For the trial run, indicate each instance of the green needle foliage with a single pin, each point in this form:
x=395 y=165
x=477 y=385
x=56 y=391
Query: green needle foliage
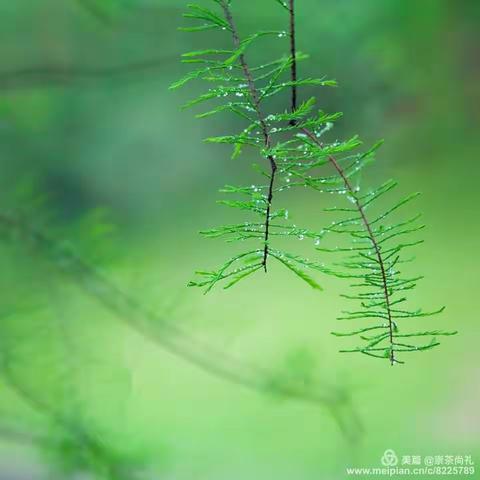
x=373 y=256
x=242 y=90
x=294 y=147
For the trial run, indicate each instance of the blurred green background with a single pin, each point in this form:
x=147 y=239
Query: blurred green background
x=90 y=136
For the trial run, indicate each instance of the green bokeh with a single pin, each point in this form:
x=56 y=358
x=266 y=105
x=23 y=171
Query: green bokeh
x=87 y=123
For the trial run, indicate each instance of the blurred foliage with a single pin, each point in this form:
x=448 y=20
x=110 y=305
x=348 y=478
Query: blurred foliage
x=87 y=119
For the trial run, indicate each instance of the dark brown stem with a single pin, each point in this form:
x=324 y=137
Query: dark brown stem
x=255 y=97
x=293 y=54
x=371 y=236
x=348 y=185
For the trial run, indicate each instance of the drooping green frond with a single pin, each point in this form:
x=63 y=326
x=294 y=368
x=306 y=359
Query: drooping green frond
x=296 y=146
x=238 y=88
x=374 y=250
x=282 y=4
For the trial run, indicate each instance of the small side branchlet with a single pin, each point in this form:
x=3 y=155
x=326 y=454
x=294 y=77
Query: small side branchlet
x=243 y=90
x=296 y=149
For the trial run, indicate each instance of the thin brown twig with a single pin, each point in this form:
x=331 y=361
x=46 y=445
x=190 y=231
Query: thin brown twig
x=261 y=119
x=371 y=236
x=346 y=182
x=293 y=54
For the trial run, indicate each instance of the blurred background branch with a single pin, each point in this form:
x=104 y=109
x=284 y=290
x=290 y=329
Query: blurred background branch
x=115 y=139
x=178 y=341
x=53 y=76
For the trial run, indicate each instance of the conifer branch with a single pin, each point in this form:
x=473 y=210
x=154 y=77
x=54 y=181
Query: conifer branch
x=376 y=236
x=292 y=34
x=295 y=142
x=261 y=119
x=231 y=74
x=353 y=195
x=293 y=54
x=372 y=263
